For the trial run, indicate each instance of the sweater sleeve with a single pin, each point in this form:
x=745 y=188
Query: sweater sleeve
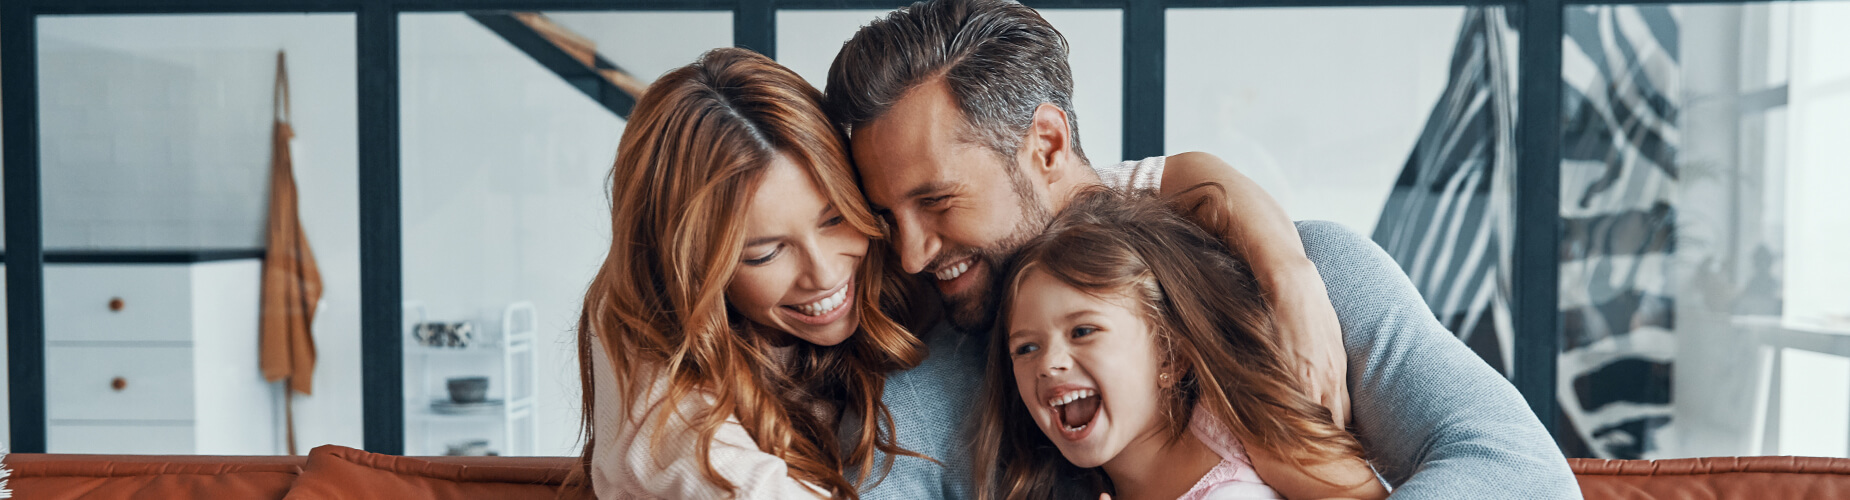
x=1437 y=421
x=626 y=463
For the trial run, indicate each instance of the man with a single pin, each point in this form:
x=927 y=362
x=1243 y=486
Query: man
x=960 y=118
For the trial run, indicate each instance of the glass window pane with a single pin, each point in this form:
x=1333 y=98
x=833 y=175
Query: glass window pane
x=1396 y=122
x=1701 y=196
x=157 y=137
x=506 y=213
x=807 y=41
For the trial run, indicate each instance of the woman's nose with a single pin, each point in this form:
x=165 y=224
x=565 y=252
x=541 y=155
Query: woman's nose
x=821 y=272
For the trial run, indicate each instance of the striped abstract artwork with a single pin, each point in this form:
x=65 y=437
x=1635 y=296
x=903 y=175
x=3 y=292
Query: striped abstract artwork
x=1449 y=221
x=1621 y=94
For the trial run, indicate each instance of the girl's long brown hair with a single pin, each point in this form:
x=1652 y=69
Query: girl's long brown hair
x=1208 y=315
x=694 y=151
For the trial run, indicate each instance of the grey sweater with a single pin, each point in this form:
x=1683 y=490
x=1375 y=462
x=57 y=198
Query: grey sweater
x=1435 y=420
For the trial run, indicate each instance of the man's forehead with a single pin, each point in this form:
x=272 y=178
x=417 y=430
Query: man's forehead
x=894 y=161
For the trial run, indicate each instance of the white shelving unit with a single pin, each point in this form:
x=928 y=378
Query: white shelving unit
x=506 y=357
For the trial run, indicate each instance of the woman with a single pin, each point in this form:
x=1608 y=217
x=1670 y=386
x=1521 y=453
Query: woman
x=738 y=320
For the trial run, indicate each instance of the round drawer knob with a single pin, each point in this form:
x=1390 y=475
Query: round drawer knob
x=118 y=384
x=116 y=304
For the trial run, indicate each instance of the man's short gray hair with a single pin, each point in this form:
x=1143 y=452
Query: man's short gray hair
x=999 y=58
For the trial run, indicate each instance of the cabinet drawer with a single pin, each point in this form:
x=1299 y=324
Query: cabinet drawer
x=120 y=439
x=155 y=302
x=156 y=383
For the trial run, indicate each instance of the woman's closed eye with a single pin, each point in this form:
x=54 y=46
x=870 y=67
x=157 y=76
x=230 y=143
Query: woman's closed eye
x=765 y=258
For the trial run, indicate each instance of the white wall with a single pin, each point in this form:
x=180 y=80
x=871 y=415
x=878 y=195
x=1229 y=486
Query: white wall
x=156 y=135
x=648 y=44
x=1320 y=106
x=503 y=194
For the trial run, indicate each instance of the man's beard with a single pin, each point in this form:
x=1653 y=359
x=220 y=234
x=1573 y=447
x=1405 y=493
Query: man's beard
x=974 y=311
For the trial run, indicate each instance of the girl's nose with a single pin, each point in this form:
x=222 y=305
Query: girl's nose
x=1055 y=364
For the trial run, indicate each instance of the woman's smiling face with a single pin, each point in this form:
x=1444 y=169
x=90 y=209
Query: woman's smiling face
x=796 y=272
x=1087 y=367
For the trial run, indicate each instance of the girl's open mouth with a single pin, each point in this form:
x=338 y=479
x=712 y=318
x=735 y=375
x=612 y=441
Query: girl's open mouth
x=1076 y=412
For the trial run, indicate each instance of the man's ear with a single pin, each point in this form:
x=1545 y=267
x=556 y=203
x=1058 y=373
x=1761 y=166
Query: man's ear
x=1049 y=137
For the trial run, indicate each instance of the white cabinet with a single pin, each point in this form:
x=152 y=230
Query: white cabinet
x=157 y=359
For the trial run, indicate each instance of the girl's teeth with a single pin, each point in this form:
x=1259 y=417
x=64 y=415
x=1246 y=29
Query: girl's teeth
x=1071 y=397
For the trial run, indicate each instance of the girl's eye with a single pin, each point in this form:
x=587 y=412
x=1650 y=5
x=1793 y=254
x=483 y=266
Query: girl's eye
x=834 y=221
x=1082 y=331
x=932 y=201
x=759 y=261
x=1025 y=349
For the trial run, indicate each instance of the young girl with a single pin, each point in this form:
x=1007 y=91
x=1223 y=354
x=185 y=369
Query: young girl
x=1135 y=357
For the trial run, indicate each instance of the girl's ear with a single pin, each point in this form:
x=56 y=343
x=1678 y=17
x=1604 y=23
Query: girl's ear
x=1173 y=369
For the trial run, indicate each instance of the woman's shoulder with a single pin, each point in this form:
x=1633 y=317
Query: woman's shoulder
x=636 y=398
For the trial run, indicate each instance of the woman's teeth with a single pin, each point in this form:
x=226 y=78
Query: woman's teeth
x=824 y=306
x=1071 y=397
x=953 y=272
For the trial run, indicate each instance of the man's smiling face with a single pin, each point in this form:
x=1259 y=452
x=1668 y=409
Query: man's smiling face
x=959 y=210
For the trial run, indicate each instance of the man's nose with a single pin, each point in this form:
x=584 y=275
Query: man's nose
x=916 y=247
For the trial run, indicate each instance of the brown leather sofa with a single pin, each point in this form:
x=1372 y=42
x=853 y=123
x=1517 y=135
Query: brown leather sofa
x=337 y=472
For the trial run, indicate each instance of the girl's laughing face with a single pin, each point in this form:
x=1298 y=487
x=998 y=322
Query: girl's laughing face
x=1087 y=367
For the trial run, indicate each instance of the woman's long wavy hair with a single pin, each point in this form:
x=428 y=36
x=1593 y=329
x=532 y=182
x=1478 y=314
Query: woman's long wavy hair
x=1208 y=316
x=694 y=151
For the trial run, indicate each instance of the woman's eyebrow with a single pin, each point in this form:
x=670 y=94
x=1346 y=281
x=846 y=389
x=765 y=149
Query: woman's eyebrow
x=762 y=240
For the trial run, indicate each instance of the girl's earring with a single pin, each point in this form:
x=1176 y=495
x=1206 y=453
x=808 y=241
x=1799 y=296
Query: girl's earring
x=1163 y=380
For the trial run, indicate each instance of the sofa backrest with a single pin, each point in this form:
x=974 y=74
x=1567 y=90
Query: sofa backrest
x=1719 y=478
x=60 y=477
x=325 y=470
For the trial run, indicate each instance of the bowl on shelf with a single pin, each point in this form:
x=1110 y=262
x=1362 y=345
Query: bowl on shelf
x=468 y=389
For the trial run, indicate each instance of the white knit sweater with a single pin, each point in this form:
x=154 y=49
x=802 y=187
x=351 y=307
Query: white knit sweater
x=626 y=464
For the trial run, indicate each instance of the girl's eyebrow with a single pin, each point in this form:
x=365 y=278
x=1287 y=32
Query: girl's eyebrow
x=762 y=240
x=1069 y=317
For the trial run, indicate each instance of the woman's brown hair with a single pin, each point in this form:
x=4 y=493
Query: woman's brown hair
x=693 y=153
x=1207 y=314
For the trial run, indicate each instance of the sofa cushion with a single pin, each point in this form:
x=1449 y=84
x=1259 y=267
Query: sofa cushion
x=339 y=472
x=99 y=477
x=1723 y=477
